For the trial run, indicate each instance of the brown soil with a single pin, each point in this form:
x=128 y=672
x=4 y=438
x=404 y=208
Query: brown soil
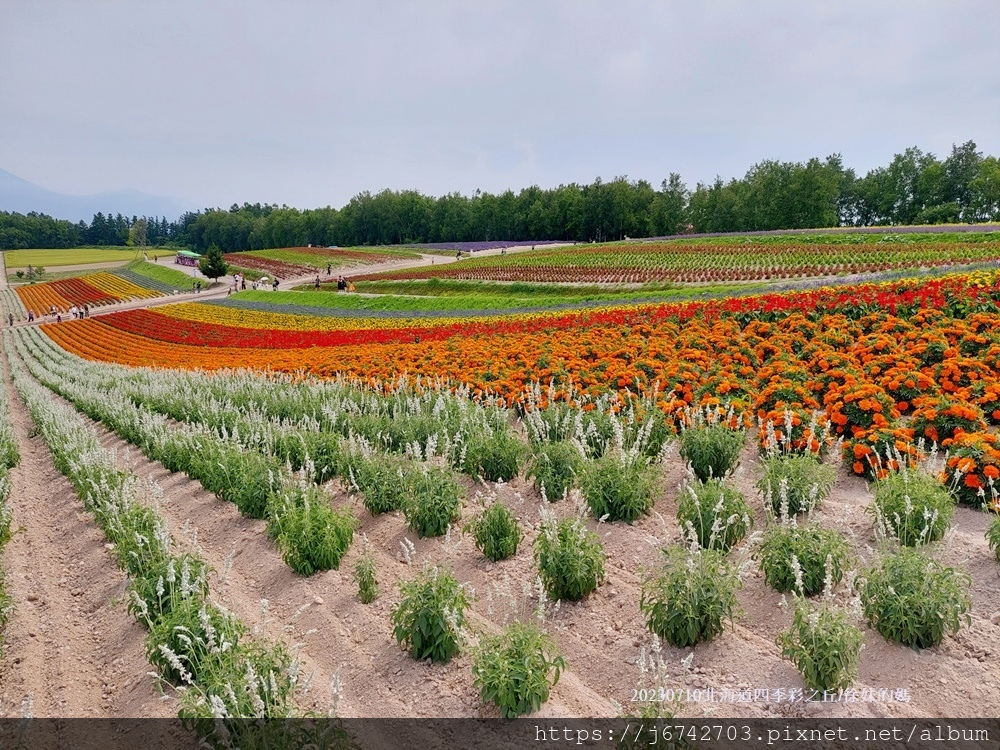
x=71 y=648
x=601 y=636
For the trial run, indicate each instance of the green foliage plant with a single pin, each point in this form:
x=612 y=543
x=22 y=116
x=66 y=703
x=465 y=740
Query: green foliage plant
x=912 y=599
x=516 y=668
x=619 y=486
x=310 y=534
x=816 y=556
x=166 y=583
x=433 y=502
x=688 y=597
x=496 y=532
x=429 y=618
x=555 y=467
x=912 y=506
x=716 y=512
x=795 y=483
x=189 y=637
x=823 y=645
x=384 y=482
x=255 y=680
x=712 y=450
x=570 y=558
x=993 y=537
x=365 y=576
x=493 y=457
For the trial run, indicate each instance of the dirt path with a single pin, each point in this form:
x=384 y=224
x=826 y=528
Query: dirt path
x=72 y=649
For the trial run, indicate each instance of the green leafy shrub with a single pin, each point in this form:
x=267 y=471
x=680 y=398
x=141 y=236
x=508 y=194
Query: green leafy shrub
x=433 y=503
x=310 y=534
x=819 y=553
x=139 y=536
x=912 y=599
x=516 y=668
x=365 y=576
x=496 y=532
x=795 y=483
x=245 y=478
x=913 y=507
x=712 y=450
x=383 y=482
x=252 y=681
x=993 y=537
x=823 y=645
x=496 y=457
x=570 y=558
x=162 y=587
x=619 y=486
x=688 y=597
x=716 y=512
x=189 y=637
x=428 y=619
x=555 y=468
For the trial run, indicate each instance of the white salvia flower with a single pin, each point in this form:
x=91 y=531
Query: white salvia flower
x=797 y=569
x=218 y=707
x=250 y=680
x=828 y=577
x=186 y=589
x=176 y=663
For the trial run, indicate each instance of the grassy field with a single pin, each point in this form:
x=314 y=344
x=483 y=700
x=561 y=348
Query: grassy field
x=162 y=273
x=77 y=256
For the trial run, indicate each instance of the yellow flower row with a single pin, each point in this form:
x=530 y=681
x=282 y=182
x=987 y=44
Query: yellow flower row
x=119 y=287
x=256 y=319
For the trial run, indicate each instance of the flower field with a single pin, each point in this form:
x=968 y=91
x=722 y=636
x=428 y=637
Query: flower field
x=864 y=356
x=643 y=262
x=302 y=261
x=358 y=467
x=94 y=290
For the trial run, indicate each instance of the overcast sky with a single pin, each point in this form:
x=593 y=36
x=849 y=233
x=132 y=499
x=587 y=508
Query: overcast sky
x=309 y=103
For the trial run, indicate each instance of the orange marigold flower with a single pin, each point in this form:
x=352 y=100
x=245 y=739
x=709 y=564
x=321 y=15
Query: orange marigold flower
x=966 y=465
x=972 y=480
x=992 y=472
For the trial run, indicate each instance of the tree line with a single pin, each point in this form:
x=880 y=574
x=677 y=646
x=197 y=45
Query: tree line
x=914 y=188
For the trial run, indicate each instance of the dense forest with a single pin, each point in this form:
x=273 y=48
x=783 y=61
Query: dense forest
x=915 y=188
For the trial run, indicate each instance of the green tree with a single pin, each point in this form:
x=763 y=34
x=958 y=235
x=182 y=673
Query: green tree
x=212 y=264
x=984 y=190
x=960 y=169
x=137 y=234
x=670 y=206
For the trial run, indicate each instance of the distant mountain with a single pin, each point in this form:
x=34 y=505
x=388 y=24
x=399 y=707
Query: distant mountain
x=19 y=195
